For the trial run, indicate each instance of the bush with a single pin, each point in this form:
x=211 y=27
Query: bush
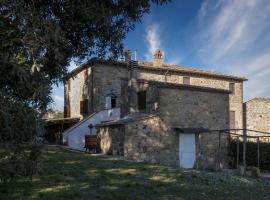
x=251 y=154
x=19 y=161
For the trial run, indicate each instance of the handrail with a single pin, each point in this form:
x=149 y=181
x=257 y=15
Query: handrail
x=80 y=122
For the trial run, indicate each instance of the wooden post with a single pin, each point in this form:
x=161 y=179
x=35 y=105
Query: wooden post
x=258 y=145
x=244 y=149
x=237 y=162
x=219 y=149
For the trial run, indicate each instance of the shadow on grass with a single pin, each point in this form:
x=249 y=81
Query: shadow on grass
x=68 y=175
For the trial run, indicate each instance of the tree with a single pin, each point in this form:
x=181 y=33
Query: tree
x=39 y=38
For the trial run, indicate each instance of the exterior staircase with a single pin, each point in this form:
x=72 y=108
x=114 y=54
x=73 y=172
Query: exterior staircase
x=74 y=137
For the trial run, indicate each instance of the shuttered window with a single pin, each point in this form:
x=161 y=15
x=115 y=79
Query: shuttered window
x=186 y=80
x=232 y=119
x=142 y=100
x=66 y=111
x=232 y=88
x=84 y=107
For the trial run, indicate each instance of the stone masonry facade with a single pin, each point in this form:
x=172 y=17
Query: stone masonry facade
x=176 y=99
x=106 y=77
x=154 y=138
x=257 y=116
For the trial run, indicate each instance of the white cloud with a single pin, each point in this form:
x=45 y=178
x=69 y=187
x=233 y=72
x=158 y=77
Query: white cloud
x=233 y=35
x=153 y=40
x=58 y=98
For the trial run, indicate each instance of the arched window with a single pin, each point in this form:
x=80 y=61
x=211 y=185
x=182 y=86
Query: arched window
x=110 y=100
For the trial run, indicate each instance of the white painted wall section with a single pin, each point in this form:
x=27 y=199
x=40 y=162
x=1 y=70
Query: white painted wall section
x=75 y=135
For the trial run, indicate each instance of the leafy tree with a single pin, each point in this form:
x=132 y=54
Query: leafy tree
x=40 y=37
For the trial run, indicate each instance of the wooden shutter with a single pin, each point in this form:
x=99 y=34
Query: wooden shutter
x=232 y=119
x=142 y=100
x=186 y=80
x=232 y=88
x=66 y=111
x=82 y=107
x=86 y=106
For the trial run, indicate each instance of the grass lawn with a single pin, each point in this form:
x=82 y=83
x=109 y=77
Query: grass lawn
x=68 y=175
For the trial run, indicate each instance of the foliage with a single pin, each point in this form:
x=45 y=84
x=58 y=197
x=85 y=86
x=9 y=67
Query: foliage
x=251 y=154
x=21 y=161
x=70 y=175
x=40 y=38
x=58 y=115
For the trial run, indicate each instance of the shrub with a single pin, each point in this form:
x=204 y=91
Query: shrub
x=19 y=161
x=251 y=154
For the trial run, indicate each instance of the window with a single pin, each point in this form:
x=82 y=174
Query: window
x=113 y=102
x=110 y=100
x=141 y=100
x=232 y=119
x=232 y=88
x=186 y=80
x=66 y=111
x=84 y=107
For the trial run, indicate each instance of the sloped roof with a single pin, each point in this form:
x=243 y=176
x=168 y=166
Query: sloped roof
x=184 y=87
x=259 y=99
x=164 y=67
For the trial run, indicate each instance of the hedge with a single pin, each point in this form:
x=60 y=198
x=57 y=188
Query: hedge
x=251 y=154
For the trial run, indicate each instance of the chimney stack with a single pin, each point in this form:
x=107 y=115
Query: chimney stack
x=158 y=58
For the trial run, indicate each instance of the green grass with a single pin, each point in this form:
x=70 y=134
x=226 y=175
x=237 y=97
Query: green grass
x=68 y=175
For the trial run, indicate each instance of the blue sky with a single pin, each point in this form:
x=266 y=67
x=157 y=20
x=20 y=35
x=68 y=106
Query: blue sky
x=227 y=36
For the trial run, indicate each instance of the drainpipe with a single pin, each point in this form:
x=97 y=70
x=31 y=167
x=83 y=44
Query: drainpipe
x=92 y=88
x=133 y=87
x=166 y=73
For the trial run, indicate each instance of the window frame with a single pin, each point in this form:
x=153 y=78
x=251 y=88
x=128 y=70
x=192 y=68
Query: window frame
x=186 y=78
x=232 y=87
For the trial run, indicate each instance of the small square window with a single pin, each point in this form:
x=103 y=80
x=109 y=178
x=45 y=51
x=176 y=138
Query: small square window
x=186 y=80
x=232 y=88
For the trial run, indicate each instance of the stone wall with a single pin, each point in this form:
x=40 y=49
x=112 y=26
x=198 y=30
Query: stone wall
x=154 y=139
x=186 y=108
x=198 y=109
x=107 y=78
x=111 y=140
x=79 y=90
x=151 y=97
x=257 y=112
x=151 y=140
x=236 y=100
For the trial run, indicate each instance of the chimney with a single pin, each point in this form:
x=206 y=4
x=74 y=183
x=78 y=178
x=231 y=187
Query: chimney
x=127 y=56
x=158 y=58
x=132 y=82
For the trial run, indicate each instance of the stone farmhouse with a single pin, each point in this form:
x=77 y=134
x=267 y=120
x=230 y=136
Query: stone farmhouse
x=154 y=112
x=257 y=116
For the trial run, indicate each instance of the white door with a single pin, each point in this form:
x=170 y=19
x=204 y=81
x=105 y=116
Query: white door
x=187 y=150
